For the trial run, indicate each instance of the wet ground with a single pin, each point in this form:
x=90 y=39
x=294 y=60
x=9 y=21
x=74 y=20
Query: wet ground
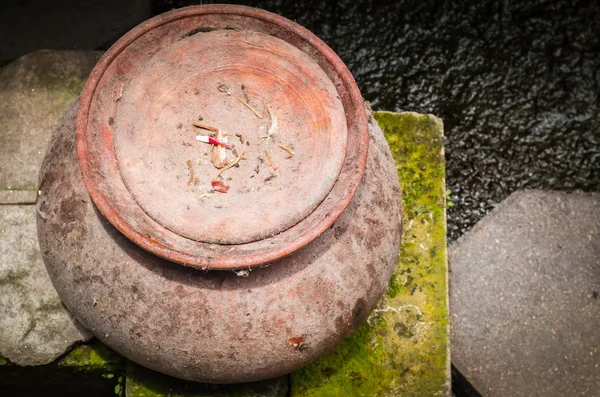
x=516 y=82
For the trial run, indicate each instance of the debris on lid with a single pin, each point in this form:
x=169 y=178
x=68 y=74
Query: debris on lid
x=219 y=142
x=241 y=137
x=213 y=141
x=286 y=148
x=191 y=169
x=245 y=94
x=272 y=128
x=205 y=127
x=219 y=153
x=223 y=88
x=270 y=159
x=220 y=186
x=256 y=113
x=233 y=164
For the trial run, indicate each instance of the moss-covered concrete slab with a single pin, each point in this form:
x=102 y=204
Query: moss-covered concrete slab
x=142 y=382
x=403 y=349
x=35 y=328
x=36 y=90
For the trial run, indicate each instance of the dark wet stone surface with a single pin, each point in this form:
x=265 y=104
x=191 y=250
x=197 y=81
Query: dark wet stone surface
x=517 y=84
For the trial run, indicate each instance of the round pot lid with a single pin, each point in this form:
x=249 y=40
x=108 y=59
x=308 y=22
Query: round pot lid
x=221 y=136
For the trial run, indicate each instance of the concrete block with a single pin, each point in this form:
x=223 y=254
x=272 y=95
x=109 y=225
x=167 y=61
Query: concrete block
x=525 y=297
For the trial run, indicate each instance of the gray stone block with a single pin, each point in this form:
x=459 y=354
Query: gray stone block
x=524 y=297
x=36 y=90
x=17 y=196
x=35 y=328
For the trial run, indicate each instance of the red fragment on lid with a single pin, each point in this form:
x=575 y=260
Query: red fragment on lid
x=220 y=186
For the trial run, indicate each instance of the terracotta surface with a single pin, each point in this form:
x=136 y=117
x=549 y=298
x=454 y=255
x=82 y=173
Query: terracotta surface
x=223 y=64
x=218 y=326
x=154 y=136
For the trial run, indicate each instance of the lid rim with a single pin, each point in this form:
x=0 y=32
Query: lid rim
x=262 y=257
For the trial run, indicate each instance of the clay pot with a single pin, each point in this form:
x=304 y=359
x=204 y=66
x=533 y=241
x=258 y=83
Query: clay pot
x=249 y=284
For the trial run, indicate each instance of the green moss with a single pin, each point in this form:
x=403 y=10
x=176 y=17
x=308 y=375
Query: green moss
x=395 y=286
x=92 y=357
x=403 y=349
x=3 y=361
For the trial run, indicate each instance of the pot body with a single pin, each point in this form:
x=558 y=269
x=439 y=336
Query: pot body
x=218 y=326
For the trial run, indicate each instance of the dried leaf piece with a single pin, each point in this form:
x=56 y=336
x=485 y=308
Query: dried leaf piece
x=220 y=186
